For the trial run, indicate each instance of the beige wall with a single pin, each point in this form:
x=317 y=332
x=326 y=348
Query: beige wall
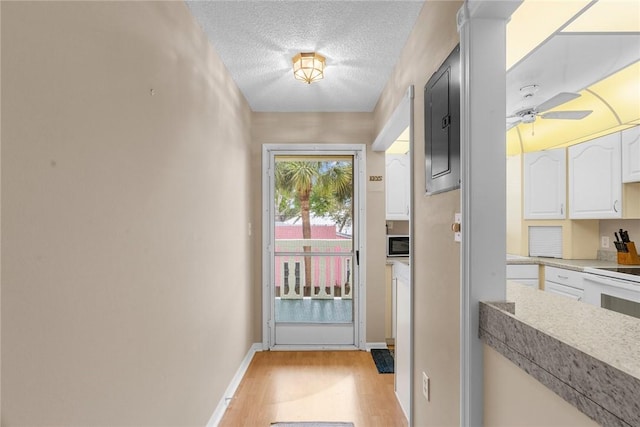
x=436 y=257
x=126 y=297
x=336 y=128
x=514 y=398
x=609 y=226
x=398 y=227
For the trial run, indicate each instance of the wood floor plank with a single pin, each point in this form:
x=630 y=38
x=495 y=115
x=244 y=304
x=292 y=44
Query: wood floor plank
x=314 y=386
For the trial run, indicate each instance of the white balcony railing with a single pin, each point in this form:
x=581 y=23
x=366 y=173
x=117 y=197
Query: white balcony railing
x=331 y=275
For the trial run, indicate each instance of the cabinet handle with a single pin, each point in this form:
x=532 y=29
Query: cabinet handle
x=561 y=208
x=563 y=277
x=614 y=206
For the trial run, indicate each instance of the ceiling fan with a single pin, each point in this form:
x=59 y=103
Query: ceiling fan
x=530 y=114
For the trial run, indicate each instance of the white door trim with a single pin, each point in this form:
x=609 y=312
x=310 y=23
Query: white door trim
x=400 y=119
x=483 y=185
x=359 y=276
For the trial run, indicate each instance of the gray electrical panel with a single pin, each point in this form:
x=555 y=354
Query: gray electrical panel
x=442 y=126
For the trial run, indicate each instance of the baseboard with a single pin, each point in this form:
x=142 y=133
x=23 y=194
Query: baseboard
x=371 y=345
x=233 y=386
x=322 y=347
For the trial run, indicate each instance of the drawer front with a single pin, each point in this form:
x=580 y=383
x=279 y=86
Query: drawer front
x=532 y=283
x=519 y=271
x=563 y=276
x=563 y=290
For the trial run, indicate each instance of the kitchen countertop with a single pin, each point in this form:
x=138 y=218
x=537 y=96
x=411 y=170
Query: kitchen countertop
x=604 y=334
x=402 y=260
x=570 y=264
x=588 y=355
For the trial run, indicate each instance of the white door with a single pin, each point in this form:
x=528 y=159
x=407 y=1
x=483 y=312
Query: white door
x=595 y=179
x=402 y=277
x=312 y=246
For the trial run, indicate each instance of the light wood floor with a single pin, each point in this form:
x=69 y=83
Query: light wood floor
x=314 y=386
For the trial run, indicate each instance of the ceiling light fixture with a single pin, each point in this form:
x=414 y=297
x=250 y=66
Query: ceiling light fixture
x=308 y=66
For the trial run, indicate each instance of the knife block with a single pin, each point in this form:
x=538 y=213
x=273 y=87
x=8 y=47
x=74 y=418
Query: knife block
x=631 y=257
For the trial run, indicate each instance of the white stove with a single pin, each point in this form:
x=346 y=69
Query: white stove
x=627 y=272
x=615 y=288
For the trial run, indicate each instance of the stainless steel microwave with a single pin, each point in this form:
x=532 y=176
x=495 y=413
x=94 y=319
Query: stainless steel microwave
x=398 y=245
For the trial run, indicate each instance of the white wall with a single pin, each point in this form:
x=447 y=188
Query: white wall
x=126 y=296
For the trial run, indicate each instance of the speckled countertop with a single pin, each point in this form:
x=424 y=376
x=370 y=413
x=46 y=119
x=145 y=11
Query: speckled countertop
x=606 y=335
x=587 y=355
x=570 y=264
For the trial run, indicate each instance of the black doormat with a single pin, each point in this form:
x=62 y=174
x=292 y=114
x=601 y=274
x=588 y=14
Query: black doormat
x=383 y=360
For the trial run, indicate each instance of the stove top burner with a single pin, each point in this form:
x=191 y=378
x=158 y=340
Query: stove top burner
x=625 y=270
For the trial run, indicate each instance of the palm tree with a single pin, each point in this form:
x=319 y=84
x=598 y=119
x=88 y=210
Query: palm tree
x=327 y=180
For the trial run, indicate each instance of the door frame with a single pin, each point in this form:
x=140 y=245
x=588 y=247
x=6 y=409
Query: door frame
x=359 y=273
x=398 y=121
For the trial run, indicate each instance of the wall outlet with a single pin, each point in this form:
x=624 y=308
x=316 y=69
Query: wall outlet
x=425 y=386
x=390 y=225
x=604 y=242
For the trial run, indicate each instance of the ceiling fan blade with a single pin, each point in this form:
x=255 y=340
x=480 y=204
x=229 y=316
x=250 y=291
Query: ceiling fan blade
x=566 y=115
x=554 y=101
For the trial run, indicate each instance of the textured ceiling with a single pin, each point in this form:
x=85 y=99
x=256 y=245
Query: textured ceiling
x=256 y=40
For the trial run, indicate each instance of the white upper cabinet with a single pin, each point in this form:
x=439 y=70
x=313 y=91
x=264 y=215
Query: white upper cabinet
x=595 y=179
x=545 y=184
x=397 y=194
x=631 y=155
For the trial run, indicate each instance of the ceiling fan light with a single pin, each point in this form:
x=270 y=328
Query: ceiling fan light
x=308 y=66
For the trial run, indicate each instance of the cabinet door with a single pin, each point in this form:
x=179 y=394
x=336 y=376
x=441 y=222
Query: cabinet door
x=631 y=155
x=545 y=185
x=403 y=345
x=397 y=186
x=595 y=179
